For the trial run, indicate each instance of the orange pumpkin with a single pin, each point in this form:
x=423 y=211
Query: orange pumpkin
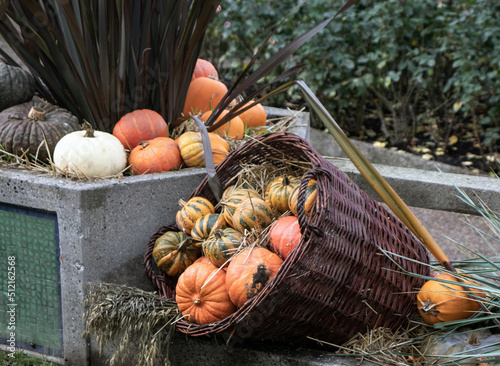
x=160 y=154
x=201 y=294
x=443 y=302
x=202 y=259
x=140 y=125
x=233 y=128
x=249 y=272
x=203 y=94
x=255 y=117
x=284 y=235
x=191 y=148
x=204 y=68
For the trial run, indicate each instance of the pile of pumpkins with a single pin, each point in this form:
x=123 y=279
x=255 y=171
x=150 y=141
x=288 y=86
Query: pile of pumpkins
x=219 y=261
x=140 y=140
x=220 y=266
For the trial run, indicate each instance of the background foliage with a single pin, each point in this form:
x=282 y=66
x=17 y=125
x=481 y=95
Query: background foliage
x=405 y=70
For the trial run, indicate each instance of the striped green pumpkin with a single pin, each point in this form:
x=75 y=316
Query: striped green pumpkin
x=278 y=191
x=191 y=211
x=234 y=200
x=253 y=213
x=310 y=197
x=206 y=225
x=174 y=251
x=221 y=246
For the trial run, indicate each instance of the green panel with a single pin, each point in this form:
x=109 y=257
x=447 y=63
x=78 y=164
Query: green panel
x=29 y=255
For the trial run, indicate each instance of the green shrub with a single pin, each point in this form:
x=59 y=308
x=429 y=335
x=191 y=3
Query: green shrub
x=417 y=65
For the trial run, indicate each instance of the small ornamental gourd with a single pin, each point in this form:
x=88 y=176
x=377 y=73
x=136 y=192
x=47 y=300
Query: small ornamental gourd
x=222 y=245
x=191 y=211
x=204 y=68
x=203 y=94
x=191 y=148
x=234 y=199
x=230 y=189
x=253 y=213
x=174 y=251
x=443 y=302
x=140 y=125
x=90 y=154
x=278 y=192
x=284 y=235
x=201 y=294
x=17 y=86
x=310 y=197
x=35 y=128
x=233 y=128
x=160 y=154
x=205 y=226
x=249 y=272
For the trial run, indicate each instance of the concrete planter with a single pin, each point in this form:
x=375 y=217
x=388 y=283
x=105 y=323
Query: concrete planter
x=63 y=234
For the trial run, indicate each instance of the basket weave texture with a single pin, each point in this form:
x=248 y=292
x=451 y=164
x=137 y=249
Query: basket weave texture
x=345 y=276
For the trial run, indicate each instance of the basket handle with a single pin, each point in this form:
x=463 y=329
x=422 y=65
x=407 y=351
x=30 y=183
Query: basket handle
x=301 y=197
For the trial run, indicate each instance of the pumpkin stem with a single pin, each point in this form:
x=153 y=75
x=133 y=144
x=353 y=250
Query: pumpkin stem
x=218 y=233
x=286 y=180
x=182 y=203
x=197 y=301
x=37 y=114
x=144 y=144
x=182 y=246
x=89 y=133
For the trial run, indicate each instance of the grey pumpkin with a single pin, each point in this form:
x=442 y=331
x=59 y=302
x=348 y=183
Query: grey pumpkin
x=16 y=86
x=24 y=127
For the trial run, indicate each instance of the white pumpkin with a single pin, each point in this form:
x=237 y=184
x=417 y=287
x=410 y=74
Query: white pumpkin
x=90 y=154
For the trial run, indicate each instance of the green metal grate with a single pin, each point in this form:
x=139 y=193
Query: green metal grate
x=32 y=238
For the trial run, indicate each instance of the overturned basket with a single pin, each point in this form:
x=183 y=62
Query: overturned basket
x=345 y=276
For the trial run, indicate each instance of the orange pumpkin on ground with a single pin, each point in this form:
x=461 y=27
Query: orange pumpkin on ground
x=284 y=235
x=191 y=147
x=443 y=302
x=249 y=272
x=160 y=154
x=201 y=294
x=255 y=117
x=140 y=125
x=233 y=128
x=203 y=94
x=204 y=68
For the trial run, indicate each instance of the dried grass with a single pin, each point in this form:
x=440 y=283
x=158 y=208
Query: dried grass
x=141 y=323
x=384 y=347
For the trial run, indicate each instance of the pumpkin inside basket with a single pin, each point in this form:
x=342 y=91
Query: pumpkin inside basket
x=346 y=274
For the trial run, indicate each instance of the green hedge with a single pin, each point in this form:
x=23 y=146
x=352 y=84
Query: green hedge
x=418 y=65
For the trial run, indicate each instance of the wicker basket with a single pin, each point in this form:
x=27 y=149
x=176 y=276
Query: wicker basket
x=337 y=282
